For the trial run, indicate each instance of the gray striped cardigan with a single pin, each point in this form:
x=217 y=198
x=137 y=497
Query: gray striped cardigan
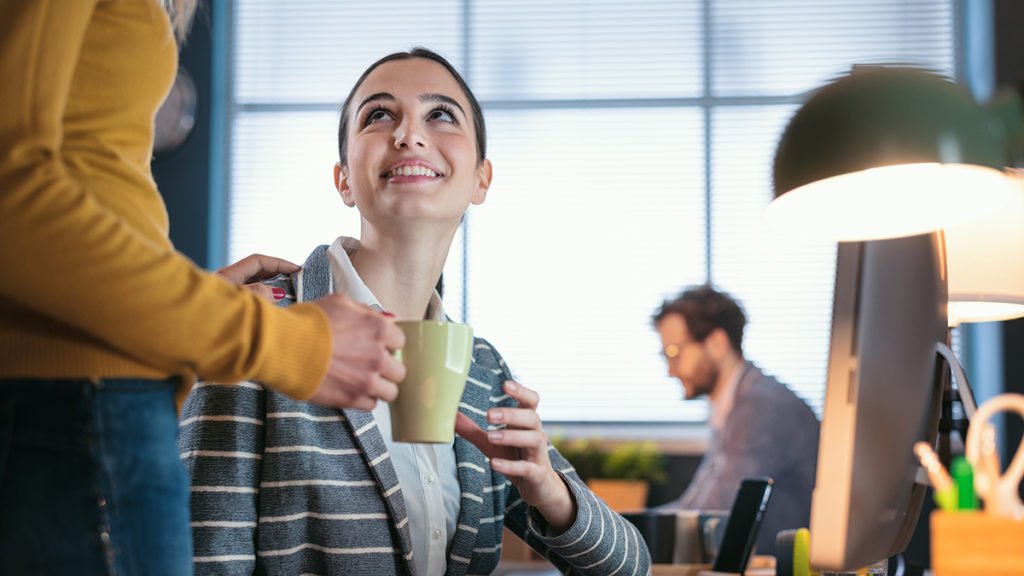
x=282 y=487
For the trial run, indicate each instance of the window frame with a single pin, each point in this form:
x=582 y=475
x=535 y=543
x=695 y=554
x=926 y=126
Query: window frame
x=684 y=436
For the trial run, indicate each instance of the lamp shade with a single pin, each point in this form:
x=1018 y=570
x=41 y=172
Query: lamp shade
x=888 y=152
x=985 y=263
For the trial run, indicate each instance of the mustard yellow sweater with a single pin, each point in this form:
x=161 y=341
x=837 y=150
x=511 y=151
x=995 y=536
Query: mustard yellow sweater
x=93 y=287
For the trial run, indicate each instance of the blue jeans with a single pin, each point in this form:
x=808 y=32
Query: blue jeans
x=90 y=479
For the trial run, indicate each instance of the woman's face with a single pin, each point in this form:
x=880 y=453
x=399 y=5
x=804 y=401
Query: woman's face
x=411 y=146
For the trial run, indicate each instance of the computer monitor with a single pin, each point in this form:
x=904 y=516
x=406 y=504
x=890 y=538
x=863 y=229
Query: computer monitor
x=883 y=394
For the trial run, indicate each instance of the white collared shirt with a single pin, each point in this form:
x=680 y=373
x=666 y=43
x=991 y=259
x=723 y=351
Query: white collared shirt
x=427 y=473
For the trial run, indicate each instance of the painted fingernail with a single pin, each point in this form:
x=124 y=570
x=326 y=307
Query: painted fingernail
x=279 y=293
x=388 y=314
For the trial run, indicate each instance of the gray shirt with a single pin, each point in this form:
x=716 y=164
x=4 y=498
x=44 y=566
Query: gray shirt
x=769 y=431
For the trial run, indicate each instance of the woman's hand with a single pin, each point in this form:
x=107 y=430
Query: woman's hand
x=520 y=452
x=362 y=369
x=249 y=271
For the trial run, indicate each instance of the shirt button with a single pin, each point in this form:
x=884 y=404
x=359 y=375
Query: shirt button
x=429 y=479
x=436 y=534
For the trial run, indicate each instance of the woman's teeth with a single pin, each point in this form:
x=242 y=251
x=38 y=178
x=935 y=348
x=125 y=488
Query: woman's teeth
x=412 y=171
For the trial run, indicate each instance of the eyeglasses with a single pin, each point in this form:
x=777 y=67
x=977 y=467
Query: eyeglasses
x=672 y=351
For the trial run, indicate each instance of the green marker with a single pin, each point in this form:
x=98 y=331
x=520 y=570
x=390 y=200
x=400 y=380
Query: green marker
x=963 y=477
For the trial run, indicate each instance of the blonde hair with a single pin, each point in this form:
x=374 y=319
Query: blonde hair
x=181 y=12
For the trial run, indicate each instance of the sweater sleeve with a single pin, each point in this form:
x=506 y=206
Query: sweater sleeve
x=221 y=443
x=75 y=261
x=600 y=541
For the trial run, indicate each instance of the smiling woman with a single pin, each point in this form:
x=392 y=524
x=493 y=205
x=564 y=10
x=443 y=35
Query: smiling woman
x=411 y=162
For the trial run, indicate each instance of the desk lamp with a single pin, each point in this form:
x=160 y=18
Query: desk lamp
x=890 y=152
x=985 y=261
x=880 y=160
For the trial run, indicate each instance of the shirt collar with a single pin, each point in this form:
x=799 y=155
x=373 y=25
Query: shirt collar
x=346 y=280
x=722 y=405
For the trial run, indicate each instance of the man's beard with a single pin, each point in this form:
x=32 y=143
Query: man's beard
x=703 y=383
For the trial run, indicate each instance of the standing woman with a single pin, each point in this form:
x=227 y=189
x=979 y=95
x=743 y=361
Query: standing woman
x=103 y=325
x=283 y=487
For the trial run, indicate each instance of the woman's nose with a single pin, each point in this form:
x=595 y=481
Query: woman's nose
x=409 y=135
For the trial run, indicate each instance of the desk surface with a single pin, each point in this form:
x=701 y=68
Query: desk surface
x=541 y=568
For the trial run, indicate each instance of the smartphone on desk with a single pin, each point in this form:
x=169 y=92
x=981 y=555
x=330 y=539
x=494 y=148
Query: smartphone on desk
x=743 y=525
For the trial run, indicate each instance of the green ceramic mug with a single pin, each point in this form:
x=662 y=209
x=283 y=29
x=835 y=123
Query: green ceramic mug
x=436 y=357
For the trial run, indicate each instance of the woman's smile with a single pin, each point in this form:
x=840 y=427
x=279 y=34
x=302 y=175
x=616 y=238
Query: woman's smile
x=407 y=171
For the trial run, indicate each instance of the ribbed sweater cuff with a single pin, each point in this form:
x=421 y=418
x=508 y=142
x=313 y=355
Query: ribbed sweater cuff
x=299 y=351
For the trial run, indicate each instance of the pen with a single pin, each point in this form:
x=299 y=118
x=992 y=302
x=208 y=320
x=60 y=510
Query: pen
x=945 y=490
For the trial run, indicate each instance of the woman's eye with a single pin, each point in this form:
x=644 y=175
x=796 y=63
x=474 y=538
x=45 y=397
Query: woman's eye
x=375 y=116
x=443 y=115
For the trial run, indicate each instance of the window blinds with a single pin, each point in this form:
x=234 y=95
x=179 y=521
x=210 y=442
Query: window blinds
x=632 y=145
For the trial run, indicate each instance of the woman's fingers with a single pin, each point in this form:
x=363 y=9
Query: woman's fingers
x=529 y=439
x=256 y=267
x=514 y=418
x=524 y=469
x=526 y=397
x=518 y=449
x=361 y=364
x=465 y=427
x=268 y=292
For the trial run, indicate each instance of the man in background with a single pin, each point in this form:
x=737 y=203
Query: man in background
x=758 y=426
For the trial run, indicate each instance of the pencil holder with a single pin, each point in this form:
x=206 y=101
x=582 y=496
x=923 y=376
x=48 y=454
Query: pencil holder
x=971 y=543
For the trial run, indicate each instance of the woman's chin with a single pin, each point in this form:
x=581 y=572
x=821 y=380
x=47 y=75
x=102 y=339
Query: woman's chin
x=425 y=210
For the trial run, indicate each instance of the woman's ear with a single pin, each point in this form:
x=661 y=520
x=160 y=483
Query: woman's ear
x=341 y=183
x=483 y=181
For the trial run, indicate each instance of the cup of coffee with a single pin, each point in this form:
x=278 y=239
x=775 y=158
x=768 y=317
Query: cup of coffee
x=436 y=357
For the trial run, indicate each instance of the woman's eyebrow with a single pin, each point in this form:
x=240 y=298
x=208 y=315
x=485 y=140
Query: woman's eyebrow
x=373 y=97
x=432 y=97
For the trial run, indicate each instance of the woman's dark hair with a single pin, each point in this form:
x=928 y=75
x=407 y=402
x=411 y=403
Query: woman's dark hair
x=704 y=309
x=418 y=52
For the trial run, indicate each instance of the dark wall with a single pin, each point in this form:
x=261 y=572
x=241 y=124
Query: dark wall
x=1013 y=352
x=1009 y=16
x=183 y=174
x=1009 y=20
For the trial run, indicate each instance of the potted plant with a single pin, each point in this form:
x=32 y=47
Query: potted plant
x=619 y=473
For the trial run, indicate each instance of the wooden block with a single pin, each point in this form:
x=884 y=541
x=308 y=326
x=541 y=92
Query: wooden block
x=974 y=543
